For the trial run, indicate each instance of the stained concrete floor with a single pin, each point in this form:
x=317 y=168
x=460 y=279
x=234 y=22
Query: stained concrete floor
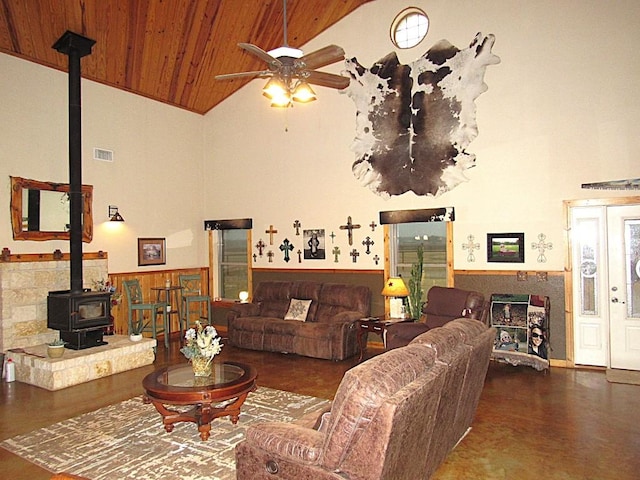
x=565 y=424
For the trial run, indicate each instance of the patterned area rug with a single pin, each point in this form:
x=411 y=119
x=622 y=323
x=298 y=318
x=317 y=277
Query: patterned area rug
x=127 y=440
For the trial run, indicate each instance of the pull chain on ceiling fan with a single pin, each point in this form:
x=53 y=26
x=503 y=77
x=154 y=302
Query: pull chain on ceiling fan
x=291 y=72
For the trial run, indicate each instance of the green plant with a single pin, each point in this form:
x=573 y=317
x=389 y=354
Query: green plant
x=138 y=326
x=57 y=343
x=414 y=301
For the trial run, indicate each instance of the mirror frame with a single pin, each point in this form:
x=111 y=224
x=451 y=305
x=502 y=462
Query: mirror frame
x=18 y=184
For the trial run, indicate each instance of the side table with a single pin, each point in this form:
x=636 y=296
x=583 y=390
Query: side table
x=173 y=304
x=376 y=325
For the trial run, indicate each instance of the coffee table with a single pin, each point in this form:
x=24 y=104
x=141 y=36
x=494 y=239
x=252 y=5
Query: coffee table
x=219 y=395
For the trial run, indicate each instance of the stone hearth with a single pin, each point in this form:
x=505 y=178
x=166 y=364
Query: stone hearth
x=79 y=366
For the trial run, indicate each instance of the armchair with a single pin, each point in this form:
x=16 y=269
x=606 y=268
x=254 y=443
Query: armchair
x=443 y=305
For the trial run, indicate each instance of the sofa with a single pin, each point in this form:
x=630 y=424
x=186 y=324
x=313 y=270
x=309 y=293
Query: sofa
x=327 y=330
x=443 y=305
x=395 y=416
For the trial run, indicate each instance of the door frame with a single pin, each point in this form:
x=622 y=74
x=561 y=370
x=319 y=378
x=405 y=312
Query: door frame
x=567 y=205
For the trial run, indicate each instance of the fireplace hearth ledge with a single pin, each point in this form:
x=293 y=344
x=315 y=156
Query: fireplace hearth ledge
x=80 y=366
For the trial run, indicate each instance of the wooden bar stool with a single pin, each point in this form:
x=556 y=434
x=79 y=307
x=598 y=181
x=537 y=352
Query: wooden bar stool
x=192 y=295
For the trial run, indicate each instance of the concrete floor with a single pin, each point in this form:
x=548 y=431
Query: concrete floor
x=561 y=425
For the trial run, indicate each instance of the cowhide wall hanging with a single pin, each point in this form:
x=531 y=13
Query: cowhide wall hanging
x=414 y=122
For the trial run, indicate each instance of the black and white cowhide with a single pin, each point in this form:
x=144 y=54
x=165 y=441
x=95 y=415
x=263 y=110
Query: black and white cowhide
x=414 y=122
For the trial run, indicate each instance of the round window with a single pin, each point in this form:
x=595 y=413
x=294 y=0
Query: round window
x=409 y=27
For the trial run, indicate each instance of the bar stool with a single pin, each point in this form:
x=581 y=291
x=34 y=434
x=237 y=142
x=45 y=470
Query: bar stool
x=192 y=294
x=136 y=306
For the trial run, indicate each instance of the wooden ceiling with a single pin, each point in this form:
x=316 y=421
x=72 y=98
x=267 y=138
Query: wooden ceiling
x=167 y=50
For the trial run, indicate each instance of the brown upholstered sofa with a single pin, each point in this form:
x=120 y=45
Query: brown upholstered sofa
x=443 y=305
x=394 y=417
x=329 y=330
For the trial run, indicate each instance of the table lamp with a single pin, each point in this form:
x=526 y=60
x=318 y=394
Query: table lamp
x=395 y=288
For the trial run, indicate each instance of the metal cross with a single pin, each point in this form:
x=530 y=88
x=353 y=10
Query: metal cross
x=333 y=235
x=286 y=247
x=349 y=227
x=376 y=259
x=260 y=246
x=336 y=252
x=471 y=246
x=297 y=226
x=368 y=242
x=255 y=258
x=299 y=252
x=270 y=255
x=541 y=246
x=373 y=225
x=271 y=231
x=354 y=253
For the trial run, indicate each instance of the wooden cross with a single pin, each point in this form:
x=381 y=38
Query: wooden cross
x=270 y=256
x=299 y=252
x=471 y=246
x=297 y=226
x=255 y=258
x=260 y=246
x=368 y=242
x=336 y=252
x=349 y=227
x=376 y=259
x=333 y=235
x=271 y=231
x=354 y=254
x=541 y=246
x=373 y=225
x=286 y=247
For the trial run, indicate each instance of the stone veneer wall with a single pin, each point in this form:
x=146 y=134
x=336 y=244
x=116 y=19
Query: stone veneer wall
x=24 y=286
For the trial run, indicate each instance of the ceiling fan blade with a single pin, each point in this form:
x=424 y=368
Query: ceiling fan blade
x=328 y=80
x=325 y=56
x=231 y=76
x=273 y=62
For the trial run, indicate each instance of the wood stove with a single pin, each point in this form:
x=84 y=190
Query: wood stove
x=79 y=314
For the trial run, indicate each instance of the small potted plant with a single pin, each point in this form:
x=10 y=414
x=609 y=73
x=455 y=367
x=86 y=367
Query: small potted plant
x=55 y=349
x=135 y=335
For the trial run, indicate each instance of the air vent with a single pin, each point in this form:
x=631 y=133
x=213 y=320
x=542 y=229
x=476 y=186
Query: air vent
x=103 y=155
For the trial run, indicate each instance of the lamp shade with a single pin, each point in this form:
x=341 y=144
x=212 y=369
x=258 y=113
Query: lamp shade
x=395 y=287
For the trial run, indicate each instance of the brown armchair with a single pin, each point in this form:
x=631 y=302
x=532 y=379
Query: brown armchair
x=443 y=305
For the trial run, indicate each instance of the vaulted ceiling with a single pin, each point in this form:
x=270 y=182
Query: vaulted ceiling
x=167 y=50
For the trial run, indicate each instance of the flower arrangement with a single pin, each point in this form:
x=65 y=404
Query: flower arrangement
x=105 y=286
x=202 y=342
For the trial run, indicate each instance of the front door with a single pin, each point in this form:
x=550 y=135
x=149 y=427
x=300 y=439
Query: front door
x=623 y=226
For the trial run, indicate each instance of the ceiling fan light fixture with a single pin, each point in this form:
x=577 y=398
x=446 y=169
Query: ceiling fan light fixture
x=303 y=93
x=281 y=101
x=274 y=88
x=285 y=52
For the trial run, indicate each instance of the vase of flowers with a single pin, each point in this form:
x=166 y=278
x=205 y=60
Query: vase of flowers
x=203 y=343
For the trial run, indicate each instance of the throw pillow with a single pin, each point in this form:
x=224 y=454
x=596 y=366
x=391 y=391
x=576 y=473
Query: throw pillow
x=298 y=310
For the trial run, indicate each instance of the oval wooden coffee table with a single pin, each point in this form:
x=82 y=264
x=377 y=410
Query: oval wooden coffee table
x=219 y=395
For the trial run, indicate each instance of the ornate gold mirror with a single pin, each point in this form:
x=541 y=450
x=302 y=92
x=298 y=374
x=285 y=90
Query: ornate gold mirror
x=40 y=210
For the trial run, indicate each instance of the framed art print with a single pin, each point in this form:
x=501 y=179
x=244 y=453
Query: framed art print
x=505 y=247
x=151 y=251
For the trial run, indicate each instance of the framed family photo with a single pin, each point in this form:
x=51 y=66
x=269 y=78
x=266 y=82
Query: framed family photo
x=505 y=247
x=151 y=251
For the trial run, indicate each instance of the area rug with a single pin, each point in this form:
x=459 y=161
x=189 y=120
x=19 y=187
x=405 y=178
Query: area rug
x=127 y=440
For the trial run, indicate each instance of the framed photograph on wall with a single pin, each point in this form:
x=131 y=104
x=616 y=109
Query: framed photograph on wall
x=505 y=247
x=314 y=244
x=151 y=251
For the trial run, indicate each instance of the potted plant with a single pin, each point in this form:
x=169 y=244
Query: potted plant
x=414 y=301
x=135 y=335
x=55 y=349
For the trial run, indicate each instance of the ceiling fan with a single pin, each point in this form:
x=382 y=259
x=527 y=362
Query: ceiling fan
x=291 y=71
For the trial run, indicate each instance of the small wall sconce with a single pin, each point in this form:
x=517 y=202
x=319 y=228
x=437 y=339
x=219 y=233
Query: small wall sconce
x=114 y=215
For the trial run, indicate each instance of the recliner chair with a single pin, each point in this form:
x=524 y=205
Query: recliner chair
x=443 y=305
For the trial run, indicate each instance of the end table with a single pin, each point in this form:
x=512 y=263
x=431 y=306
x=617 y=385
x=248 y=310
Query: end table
x=376 y=325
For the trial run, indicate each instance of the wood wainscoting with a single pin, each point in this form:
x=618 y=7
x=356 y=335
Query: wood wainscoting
x=148 y=280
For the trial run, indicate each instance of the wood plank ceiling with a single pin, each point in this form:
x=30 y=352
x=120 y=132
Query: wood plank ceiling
x=167 y=50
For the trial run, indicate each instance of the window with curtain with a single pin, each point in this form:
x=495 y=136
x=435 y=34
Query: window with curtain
x=233 y=268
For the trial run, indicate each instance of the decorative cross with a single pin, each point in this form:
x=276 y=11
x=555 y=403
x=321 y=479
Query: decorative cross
x=349 y=227
x=270 y=256
x=333 y=235
x=271 y=231
x=255 y=258
x=299 y=252
x=376 y=259
x=541 y=246
x=368 y=242
x=260 y=246
x=286 y=247
x=373 y=225
x=297 y=226
x=471 y=246
x=354 y=254
x=336 y=252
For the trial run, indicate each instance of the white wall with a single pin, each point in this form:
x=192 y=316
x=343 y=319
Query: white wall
x=155 y=179
x=561 y=110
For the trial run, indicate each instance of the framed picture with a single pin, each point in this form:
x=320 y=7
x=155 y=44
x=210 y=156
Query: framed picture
x=314 y=244
x=152 y=251
x=505 y=247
